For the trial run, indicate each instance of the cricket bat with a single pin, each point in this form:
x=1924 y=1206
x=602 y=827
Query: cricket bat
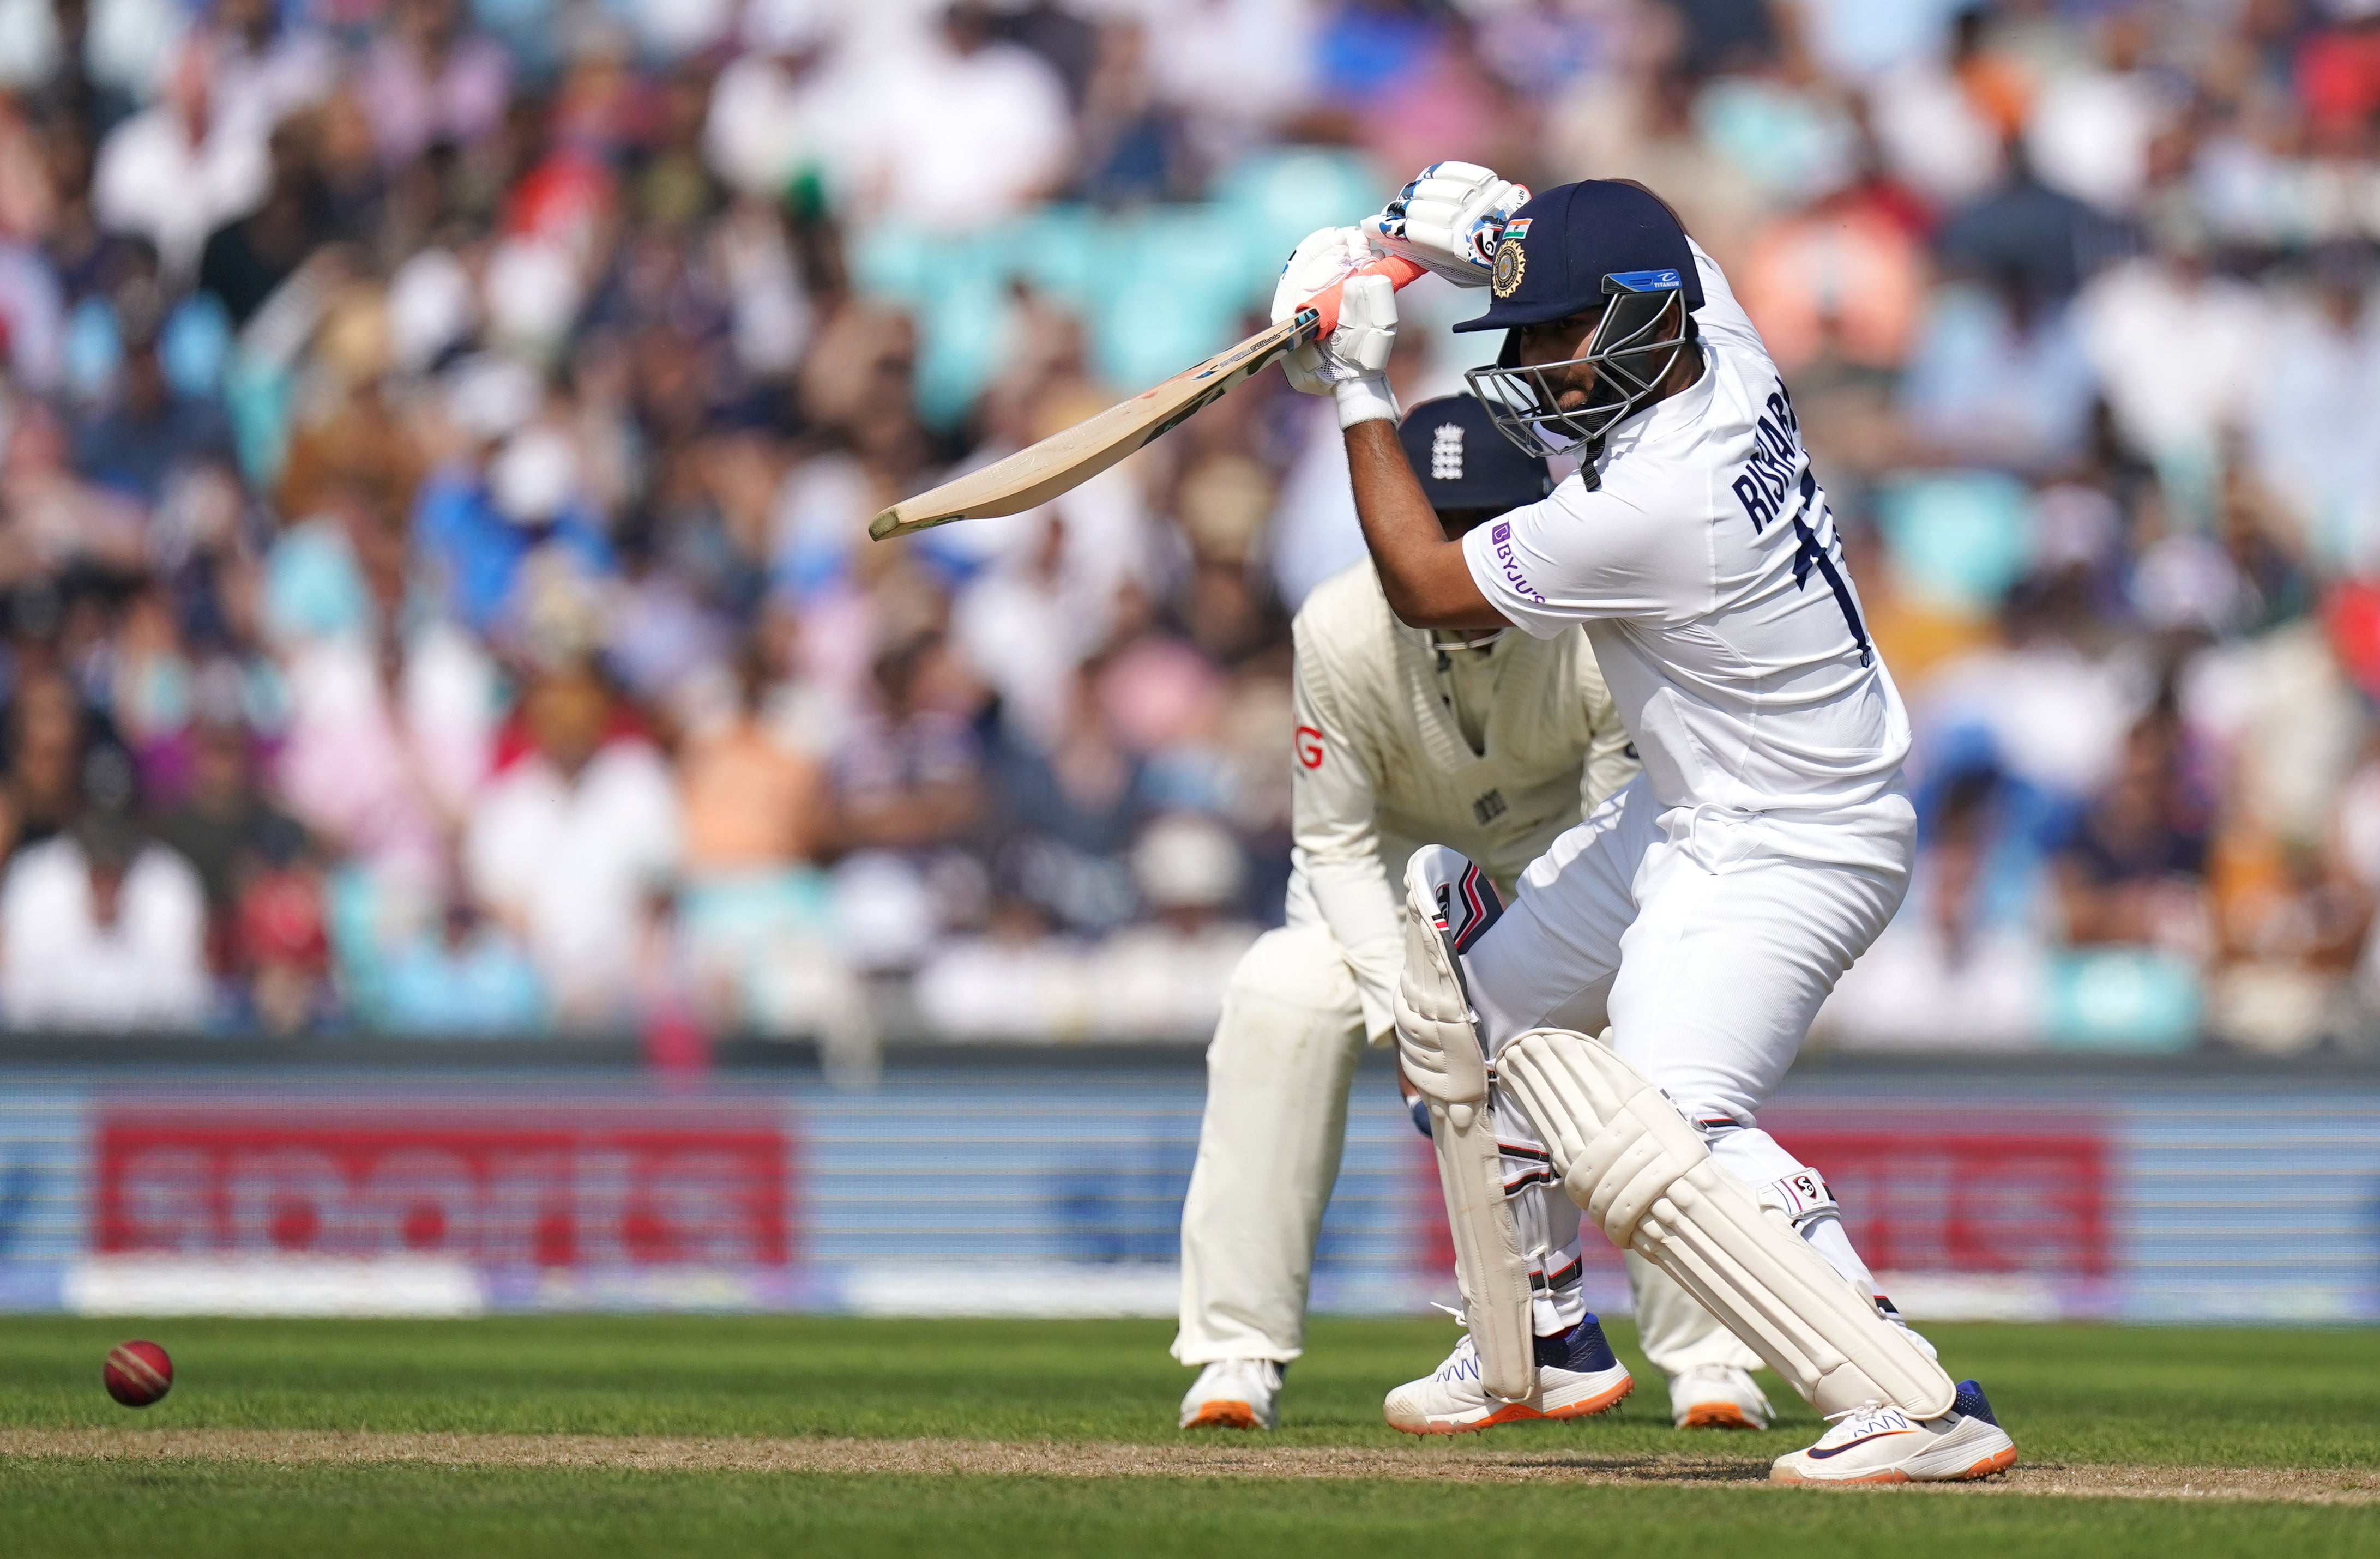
x=1074 y=455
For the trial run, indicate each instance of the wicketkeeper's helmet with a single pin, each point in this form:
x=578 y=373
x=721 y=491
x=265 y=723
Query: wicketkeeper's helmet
x=1464 y=467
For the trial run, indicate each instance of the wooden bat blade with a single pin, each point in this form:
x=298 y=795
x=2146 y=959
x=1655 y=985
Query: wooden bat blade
x=1074 y=455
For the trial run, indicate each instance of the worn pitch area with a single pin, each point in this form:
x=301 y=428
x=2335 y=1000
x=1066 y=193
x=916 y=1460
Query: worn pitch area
x=1200 y=1458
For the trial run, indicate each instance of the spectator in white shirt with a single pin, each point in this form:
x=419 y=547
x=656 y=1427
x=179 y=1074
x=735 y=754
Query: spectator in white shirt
x=177 y=171
x=962 y=131
x=2312 y=436
x=773 y=115
x=568 y=843
x=103 y=930
x=2177 y=346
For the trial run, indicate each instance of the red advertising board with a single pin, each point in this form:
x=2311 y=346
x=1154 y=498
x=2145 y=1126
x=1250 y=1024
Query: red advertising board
x=540 y=1184
x=2033 y=1203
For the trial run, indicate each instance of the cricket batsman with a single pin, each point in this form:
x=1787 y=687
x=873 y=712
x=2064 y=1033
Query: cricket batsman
x=1705 y=910
x=1493 y=743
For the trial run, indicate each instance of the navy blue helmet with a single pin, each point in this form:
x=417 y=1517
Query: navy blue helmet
x=1597 y=246
x=1463 y=463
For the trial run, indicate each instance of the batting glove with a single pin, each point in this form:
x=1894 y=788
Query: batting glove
x=1357 y=354
x=1450 y=219
x=1438 y=1033
x=1322 y=258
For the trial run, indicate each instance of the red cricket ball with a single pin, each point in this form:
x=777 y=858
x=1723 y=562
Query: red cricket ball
x=138 y=1373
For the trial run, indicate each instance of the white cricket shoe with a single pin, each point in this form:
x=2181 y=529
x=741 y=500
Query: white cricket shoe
x=1717 y=1396
x=1875 y=1444
x=1234 y=1393
x=1576 y=1376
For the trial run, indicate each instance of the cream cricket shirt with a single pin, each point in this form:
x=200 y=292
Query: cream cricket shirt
x=1708 y=575
x=1402 y=742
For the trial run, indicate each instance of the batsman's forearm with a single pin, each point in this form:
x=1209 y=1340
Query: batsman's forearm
x=1427 y=582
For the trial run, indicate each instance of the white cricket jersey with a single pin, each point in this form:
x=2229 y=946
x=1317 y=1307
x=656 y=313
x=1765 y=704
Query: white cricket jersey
x=1706 y=570
x=1496 y=752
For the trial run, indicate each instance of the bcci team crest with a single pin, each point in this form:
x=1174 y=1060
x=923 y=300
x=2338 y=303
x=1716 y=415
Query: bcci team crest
x=1512 y=264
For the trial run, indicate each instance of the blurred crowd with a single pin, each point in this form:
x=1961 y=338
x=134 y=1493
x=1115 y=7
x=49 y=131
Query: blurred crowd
x=437 y=440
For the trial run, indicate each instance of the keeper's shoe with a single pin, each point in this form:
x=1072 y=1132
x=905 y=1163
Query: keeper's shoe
x=1877 y=1444
x=1234 y=1393
x=1717 y=1396
x=1577 y=1376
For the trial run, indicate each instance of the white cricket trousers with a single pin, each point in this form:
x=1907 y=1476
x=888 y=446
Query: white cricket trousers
x=1277 y=1072
x=1708 y=941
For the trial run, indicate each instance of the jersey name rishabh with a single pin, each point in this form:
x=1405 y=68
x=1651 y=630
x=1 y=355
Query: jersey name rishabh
x=1776 y=454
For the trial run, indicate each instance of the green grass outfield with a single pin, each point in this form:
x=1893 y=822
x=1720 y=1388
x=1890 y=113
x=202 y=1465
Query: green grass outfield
x=2081 y=1396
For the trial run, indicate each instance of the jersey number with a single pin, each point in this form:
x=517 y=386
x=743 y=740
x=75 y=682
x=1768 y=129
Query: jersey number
x=1810 y=553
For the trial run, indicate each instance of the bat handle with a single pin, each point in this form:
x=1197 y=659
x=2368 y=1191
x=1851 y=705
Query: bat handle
x=1395 y=267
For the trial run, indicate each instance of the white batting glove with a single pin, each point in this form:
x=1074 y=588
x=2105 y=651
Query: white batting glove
x=1323 y=257
x=1357 y=354
x=1450 y=219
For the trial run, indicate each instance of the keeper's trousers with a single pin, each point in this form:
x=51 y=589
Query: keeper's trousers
x=1278 y=1073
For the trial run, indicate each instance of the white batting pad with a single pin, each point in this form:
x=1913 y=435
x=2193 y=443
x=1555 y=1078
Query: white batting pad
x=1438 y=1043
x=1643 y=1174
x=1489 y=1263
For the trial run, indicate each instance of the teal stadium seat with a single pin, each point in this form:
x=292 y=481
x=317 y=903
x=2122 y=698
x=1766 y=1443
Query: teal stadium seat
x=1957 y=539
x=1158 y=286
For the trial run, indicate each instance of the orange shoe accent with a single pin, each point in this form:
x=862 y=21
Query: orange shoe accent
x=1510 y=1412
x=1224 y=1415
x=1998 y=1461
x=1603 y=1402
x=1516 y=1412
x=1716 y=1415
